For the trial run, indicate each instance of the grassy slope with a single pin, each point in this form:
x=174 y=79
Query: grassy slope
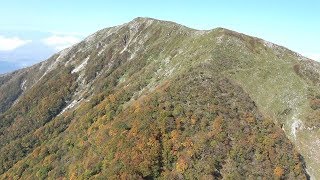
x=267 y=73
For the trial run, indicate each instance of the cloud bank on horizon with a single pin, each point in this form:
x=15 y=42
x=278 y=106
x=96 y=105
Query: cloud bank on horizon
x=21 y=49
x=57 y=41
x=12 y=43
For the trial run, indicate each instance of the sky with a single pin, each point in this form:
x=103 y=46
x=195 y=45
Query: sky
x=31 y=31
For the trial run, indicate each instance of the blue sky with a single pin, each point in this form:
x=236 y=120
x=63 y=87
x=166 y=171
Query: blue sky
x=45 y=27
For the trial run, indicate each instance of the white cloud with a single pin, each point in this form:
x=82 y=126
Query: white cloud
x=11 y=43
x=60 y=42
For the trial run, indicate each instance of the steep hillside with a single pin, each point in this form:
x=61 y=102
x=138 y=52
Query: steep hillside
x=154 y=99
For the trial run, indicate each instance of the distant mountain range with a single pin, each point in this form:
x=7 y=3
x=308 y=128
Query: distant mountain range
x=153 y=99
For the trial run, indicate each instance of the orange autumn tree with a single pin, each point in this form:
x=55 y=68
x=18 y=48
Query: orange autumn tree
x=182 y=164
x=278 y=171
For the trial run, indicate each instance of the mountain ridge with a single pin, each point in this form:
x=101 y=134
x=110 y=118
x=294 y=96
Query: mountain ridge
x=147 y=19
x=118 y=67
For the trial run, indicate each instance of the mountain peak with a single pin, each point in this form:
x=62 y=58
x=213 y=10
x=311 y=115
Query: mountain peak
x=144 y=19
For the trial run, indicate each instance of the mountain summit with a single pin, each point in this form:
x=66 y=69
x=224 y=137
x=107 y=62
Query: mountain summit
x=154 y=99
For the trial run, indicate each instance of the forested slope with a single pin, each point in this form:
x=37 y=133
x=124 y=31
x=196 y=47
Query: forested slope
x=155 y=99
